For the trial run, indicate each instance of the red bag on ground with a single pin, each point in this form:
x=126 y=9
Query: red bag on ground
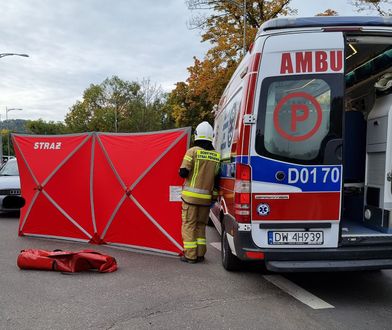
x=66 y=261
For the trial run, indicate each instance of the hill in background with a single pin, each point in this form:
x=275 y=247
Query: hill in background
x=14 y=125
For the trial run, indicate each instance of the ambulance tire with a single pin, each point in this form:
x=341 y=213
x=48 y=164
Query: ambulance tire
x=229 y=261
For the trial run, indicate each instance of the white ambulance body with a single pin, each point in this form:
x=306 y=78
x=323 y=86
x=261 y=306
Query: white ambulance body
x=306 y=145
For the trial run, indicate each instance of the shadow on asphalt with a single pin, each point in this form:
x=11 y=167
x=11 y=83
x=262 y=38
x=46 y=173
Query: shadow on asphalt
x=348 y=288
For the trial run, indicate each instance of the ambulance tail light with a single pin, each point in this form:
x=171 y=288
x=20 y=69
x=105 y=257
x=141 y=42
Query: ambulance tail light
x=254 y=255
x=242 y=193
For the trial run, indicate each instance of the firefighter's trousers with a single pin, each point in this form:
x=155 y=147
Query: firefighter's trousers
x=194 y=221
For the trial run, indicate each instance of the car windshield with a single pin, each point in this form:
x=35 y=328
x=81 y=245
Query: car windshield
x=10 y=168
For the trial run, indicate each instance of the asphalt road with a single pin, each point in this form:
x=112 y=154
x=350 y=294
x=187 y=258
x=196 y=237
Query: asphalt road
x=155 y=292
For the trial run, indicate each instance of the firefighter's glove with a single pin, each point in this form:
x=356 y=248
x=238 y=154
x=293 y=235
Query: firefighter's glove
x=183 y=172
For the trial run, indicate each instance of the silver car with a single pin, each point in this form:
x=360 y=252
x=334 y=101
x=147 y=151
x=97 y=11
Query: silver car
x=10 y=198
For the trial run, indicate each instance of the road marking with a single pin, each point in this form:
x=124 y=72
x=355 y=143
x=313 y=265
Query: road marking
x=291 y=288
x=216 y=245
x=297 y=292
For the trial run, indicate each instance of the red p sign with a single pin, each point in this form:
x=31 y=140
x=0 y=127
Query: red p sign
x=299 y=113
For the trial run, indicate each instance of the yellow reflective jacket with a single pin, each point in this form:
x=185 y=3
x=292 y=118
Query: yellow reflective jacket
x=203 y=166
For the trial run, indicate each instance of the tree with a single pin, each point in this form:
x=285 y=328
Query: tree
x=119 y=105
x=328 y=12
x=192 y=101
x=6 y=141
x=223 y=28
x=43 y=127
x=382 y=7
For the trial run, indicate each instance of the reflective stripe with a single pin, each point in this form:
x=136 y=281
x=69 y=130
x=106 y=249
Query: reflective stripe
x=195 y=173
x=215 y=193
x=188 y=158
x=196 y=195
x=204 y=137
x=190 y=245
x=197 y=190
x=208 y=155
x=201 y=241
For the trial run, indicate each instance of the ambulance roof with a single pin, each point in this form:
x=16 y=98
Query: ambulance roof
x=324 y=21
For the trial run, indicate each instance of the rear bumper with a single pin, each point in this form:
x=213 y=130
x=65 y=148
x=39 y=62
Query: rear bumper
x=344 y=258
x=327 y=265
x=339 y=259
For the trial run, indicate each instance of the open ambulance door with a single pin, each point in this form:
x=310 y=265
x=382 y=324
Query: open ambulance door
x=367 y=134
x=296 y=159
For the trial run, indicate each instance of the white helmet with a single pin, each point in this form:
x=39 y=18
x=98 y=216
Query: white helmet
x=204 y=131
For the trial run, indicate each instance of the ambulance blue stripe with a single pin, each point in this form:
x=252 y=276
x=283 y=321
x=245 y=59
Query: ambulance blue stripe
x=314 y=178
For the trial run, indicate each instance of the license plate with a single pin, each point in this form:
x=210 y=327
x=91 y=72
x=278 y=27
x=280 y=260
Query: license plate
x=295 y=237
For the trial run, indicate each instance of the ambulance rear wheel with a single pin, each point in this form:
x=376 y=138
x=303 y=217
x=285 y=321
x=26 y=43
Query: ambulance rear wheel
x=229 y=260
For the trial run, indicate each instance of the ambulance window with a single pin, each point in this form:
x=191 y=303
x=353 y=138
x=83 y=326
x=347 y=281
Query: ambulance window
x=297 y=118
x=225 y=125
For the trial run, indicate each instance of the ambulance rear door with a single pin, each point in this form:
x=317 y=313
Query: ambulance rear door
x=296 y=147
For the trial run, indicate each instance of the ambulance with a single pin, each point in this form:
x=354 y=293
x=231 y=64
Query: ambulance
x=304 y=129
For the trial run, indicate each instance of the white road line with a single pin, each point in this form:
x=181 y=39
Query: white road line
x=297 y=292
x=216 y=245
x=291 y=288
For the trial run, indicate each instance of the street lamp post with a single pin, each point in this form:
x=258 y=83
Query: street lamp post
x=12 y=54
x=6 y=118
x=10 y=109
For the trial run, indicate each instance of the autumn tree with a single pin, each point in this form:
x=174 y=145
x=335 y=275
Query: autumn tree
x=328 y=12
x=382 y=7
x=118 y=105
x=223 y=27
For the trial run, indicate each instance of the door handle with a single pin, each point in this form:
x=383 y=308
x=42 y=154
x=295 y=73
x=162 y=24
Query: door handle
x=389 y=176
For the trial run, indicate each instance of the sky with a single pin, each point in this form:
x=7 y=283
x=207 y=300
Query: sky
x=74 y=43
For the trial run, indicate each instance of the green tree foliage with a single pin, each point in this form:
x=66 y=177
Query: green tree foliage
x=223 y=27
x=5 y=135
x=7 y=127
x=115 y=103
x=45 y=127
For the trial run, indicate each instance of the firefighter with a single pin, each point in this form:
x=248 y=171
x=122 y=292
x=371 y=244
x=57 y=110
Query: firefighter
x=199 y=168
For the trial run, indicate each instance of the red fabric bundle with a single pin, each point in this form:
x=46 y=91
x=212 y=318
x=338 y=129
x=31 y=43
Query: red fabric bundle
x=66 y=261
